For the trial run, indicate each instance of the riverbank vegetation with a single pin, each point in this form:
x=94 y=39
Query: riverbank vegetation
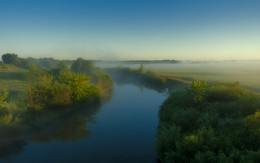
x=51 y=82
x=58 y=94
x=210 y=122
x=207 y=122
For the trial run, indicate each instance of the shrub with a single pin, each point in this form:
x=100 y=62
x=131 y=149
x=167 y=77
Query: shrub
x=253 y=121
x=3 y=96
x=197 y=91
x=48 y=93
x=224 y=92
x=104 y=82
x=79 y=85
x=69 y=88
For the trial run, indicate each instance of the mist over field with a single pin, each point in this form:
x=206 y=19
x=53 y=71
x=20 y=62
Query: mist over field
x=245 y=72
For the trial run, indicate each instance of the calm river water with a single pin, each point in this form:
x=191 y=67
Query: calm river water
x=121 y=130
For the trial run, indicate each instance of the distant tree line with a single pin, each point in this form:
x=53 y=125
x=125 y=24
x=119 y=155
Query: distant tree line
x=48 y=63
x=166 y=61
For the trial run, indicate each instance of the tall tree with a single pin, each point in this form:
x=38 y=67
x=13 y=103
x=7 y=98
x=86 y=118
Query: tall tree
x=9 y=58
x=83 y=66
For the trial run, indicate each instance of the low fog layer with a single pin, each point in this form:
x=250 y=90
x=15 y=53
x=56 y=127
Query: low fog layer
x=245 y=72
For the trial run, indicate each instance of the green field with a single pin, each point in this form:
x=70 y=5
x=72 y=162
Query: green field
x=13 y=78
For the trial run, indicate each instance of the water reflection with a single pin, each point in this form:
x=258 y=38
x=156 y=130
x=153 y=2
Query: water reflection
x=124 y=80
x=46 y=126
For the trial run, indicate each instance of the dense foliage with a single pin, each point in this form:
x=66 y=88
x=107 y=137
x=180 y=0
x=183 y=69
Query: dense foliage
x=218 y=122
x=69 y=88
x=98 y=76
x=83 y=66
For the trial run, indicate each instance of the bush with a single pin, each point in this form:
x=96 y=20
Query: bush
x=197 y=91
x=48 y=93
x=104 y=82
x=3 y=96
x=69 y=88
x=81 y=89
x=253 y=121
x=224 y=92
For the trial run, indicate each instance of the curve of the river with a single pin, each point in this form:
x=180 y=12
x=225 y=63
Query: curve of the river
x=124 y=130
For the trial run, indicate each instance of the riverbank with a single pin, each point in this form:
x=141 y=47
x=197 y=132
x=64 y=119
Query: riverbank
x=218 y=122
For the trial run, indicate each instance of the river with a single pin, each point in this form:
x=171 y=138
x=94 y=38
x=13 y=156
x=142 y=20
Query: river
x=121 y=130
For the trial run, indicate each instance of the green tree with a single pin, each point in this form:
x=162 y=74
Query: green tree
x=79 y=84
x=9 y=58
x=83 y=66
x=63 y=66
x=48 y=93
x=48 y=63
x=197 y=91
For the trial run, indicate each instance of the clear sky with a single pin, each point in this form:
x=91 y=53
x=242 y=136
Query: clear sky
x=131 y=29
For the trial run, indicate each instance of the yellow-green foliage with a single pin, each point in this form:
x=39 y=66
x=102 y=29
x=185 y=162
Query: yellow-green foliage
x=11 y=108
x=197 y=91
x=191 y=139
x=9 y=116
x=91 y=94
x=69 y=87
x=48 y=93
x=7 y=120
x=3 y=96
x=253 y=121
x=78 y=83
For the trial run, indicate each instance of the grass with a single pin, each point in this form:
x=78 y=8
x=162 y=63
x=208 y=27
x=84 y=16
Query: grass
x=14 y=85
x=14 y=79
x=10 y=68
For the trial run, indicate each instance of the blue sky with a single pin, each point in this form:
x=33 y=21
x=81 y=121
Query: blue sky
x=131 y=29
